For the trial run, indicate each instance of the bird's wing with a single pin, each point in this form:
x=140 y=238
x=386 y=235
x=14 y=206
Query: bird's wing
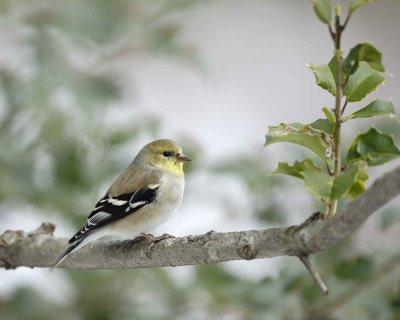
x=111 y=208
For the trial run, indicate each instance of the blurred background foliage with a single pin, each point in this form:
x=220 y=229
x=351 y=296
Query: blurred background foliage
x=62 y=76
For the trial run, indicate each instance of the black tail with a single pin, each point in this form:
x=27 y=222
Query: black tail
x=66 y=252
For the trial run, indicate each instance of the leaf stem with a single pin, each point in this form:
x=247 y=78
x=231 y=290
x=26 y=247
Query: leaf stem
x=346 y=21
x=332 y=207
x=331 y=32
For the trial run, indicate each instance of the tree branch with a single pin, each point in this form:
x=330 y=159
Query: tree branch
x=39 y=248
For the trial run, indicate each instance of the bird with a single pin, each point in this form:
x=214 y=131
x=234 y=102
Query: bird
x=145 y=195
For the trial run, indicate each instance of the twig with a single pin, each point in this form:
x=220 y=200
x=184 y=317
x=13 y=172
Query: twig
x=314 y=273
x=346 y=22
x=331 y=32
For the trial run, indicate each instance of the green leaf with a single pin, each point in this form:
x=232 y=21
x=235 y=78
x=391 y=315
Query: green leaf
x=357 y=4
x=323 y=125
x=319 y=184
x=332 y=67
x=362 y=82
x=374 y=109
x=373 y=147
x=357 y=268
x=300 y=134
x=324 y=77
x=372 y=56
x=323 y=10
x=358 y=186
x=343 y=183
x=329 y=115
x=363 y=52
x=297 y=169
x=328 y=188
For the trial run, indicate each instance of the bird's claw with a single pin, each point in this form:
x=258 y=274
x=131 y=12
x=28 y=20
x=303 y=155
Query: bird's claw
x=155 y=240
x=146 y=236
x=130 y=243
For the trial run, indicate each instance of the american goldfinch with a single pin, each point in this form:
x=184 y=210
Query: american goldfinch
x=146 y=194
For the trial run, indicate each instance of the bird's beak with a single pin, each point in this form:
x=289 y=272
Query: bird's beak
x=182 y=157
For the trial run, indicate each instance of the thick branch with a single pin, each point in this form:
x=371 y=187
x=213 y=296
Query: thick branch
x=39 y=248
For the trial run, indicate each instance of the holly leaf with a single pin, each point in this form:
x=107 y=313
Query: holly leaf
x=373 y=147
x=374 y=109
x=343 y=182
x=296 y=170
x=323 y=125
x=357 y=4
x=300 y=134
x=362 y=82
x=328 y=188
x=324 y=77
x=319 y=184
x=332 y=67
x=329 y=115
x=323 y=10
x=358 y=186
x=363 y=52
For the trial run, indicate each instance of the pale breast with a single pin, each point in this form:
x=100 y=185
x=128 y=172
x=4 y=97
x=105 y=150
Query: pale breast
x=168 y=200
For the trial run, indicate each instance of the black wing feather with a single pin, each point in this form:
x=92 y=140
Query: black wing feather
x=110 y=209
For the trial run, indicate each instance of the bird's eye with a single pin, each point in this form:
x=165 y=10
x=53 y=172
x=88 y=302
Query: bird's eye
x=168 y=154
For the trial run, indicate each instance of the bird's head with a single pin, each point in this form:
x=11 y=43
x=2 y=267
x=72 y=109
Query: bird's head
x=164 y=154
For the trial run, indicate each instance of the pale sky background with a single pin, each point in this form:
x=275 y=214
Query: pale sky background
x=256 y=54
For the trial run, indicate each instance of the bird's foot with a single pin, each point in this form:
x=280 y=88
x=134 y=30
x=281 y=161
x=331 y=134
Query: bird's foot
x=130 y=243
x=147 y=236
x=155 y=240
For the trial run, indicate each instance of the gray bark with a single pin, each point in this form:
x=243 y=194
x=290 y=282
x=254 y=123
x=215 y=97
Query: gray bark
x=39 y=248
